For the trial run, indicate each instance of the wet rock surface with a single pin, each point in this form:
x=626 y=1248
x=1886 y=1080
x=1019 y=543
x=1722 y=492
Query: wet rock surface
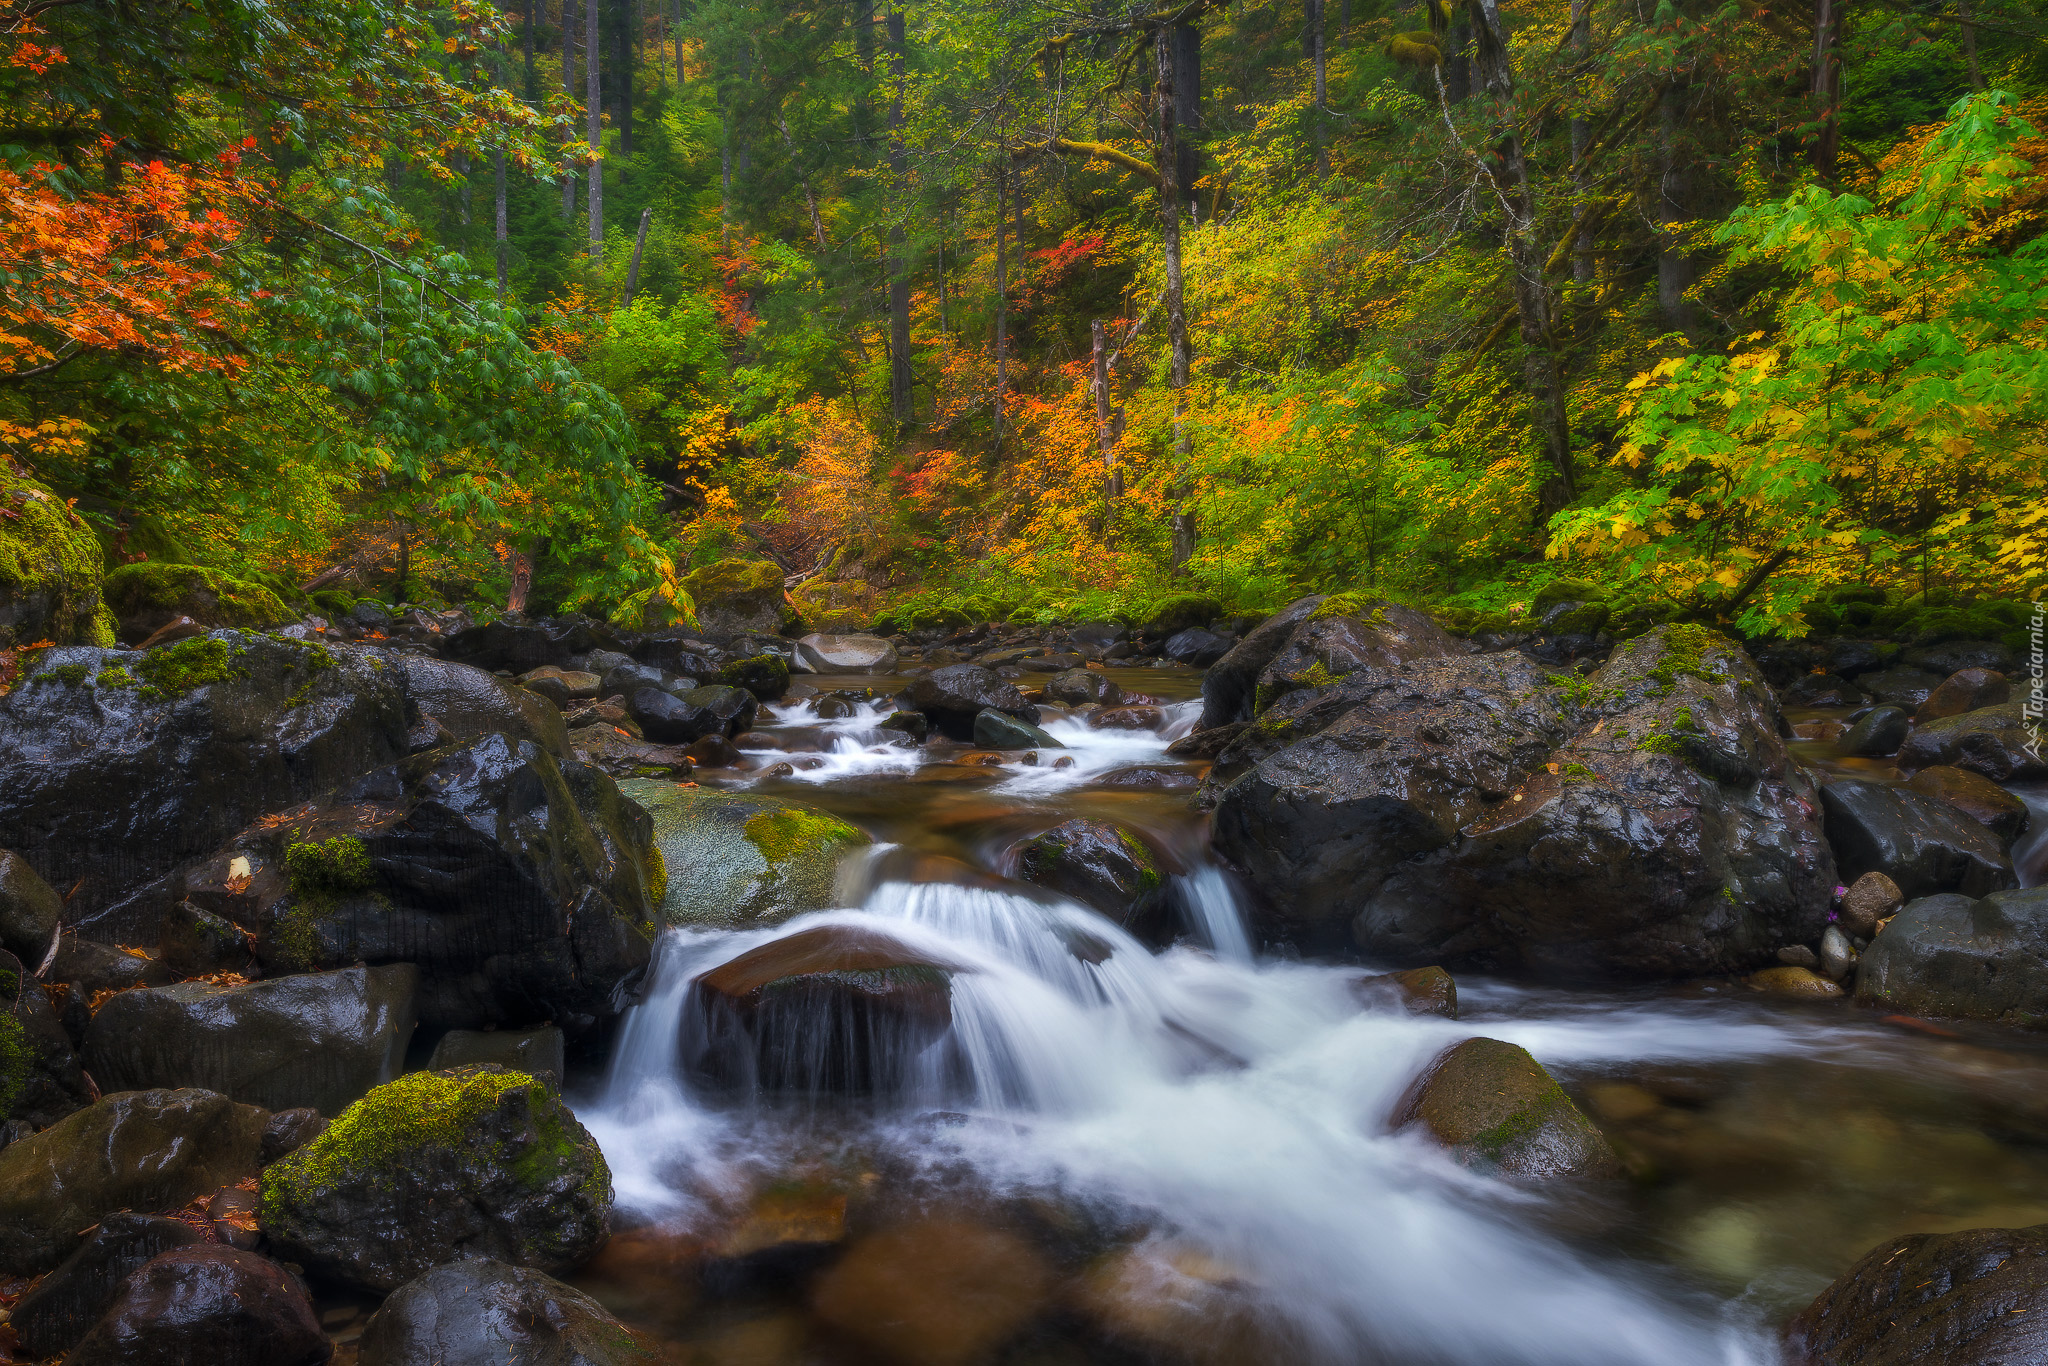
x=953 y=696
x=482 y=1312
x=471 y=703
x=1944 y=1299
x=319 y=1040
x=64 y=1305
x=1954 y=955
x=677 y=719
x=1923 y=844
x=845 y=654
x=479 y=1162
x=519 y=645
x=1977 y=797
x=735 y=860
x=1105 y=867
x=1491 y=1105
x=212 y=1304
x=29 y=910
x=1993 y=741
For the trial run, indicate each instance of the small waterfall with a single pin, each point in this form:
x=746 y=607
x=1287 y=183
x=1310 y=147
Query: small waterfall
x=1210 y=906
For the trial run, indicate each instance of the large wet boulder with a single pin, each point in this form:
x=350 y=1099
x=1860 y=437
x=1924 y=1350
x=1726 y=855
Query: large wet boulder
x=849 y=654
x=1103 y=866
x=954 y=695
x=1340 y=637
x=1494 y=1107
x=683 y=655
x=1877 y=734
x=40 y=1077
x=1197 y=648
x=839 y=1009
x=764 y=675
x=1644 y=821
x=1965 y=690
x=135 y=1150
x=1951 y=955
x=117 y=768
x=1228 y=688
x=29 y=909
x=1923 y=844
x=520 y=644
x=523 y=889
x=735 y=860
x=1974 y=1298
x=1977 y=797
x=1077 y=687
x=65 y=1304
x=479 y=1162
x=471 y=703
x=481 y=1312
x=219 y=1305
x=320 y=1040
x=50 y=566
x=150 y=595
x=679 y=718
x=999 y=730
x=1998 y=742
x=738 y=597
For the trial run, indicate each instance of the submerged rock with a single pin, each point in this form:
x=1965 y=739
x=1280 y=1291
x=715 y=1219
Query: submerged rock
x=1933 y=1299
x=1493 y=1106
x=317 y=1041
x=480 y=1162
x=1951 y=955
x=1793 y=979
x=1108 y=868
x=133 y=1150
x=219 y=1305
x=482 y=1312
x=834 y=1010
x=65 y=1304
x=1922 y=844
x=739 y=861
x=938 y=1292
x=1419 y=991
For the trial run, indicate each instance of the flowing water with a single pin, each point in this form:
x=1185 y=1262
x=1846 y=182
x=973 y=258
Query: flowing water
x=1123 y=1155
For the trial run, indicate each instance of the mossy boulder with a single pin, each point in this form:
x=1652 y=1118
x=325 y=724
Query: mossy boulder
x=29 y=909
x=1495 y=1107
x=436 y=1166
x=1178 y=613
x=648 y=610
x=480 y=1312
x=1106 y=867
x=152 y=594
x=50 y=566
x=740 y=861
x=739 y=597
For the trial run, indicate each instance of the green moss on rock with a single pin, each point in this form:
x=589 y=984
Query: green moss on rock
x=50 y=567
x=785 y=833
x=17 y=1058
x=171 y=671
x=734 y=576
x=208 y=596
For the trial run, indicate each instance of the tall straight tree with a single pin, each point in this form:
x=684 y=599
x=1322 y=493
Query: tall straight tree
x=569 y=91
x=1164 y=101
x=1827 y=86
x=899 y=267
x=1002 y=305
x=593 y=118
x=622 y=74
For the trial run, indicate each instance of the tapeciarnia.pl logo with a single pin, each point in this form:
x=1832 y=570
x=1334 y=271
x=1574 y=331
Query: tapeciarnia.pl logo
x=2036 y=702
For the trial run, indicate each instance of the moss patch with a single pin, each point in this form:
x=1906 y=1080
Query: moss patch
x=788 y=831
x=115 y=676
x=16 y=1059
x=734 y=576
x=174 y=670
x=1683 y=654
x=50 y=563
x=1148 y=867
x=206 y=595
x=69 y=675
x=320 y=874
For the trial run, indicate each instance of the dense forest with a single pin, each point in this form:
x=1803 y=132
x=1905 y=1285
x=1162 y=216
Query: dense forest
x=1036 y=311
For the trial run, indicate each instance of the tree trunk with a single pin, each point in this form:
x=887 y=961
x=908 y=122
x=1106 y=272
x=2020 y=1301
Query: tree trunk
x=864 y=49
x=569 y=89
x=1322 y=99
x=522 y=581
x=1112 y=478
x=1002 y=308
x=1343 y=24
x=622 y=80
x=1164 y=101
x=593 y=117
x=941 y=272
x=725 y=184
x=1582 y=46
x=1970 y=44
x=532 y=88
x=1674 y=184
x=1827 y=86
x=503 y=235
x=1541 y=373
x=639 y=245
x=1187 y=110
x=810 y=199
x=899 y=267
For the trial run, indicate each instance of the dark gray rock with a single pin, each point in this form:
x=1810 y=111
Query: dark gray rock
x=1077 y=687
x=319 y=1040
x=679 y=654
x=193 y=942
x=1951 y=955
x=1922 y=844
x=131 y=1150
x=953 y=696
x=480 y=1162
x=623 y=680
x=1952 y=656
x=1899 y=687
x=65 y=1304
x=1977 y=797
x=1878 y=734
x=290 y=1130
x=29 y=910
x=1229 y=687
x=538 y=1052
x=519 y=645
x=1197 y=648
x=42 y=1081
x=1823 y=690
x=219 y=1305
x=996 y=730
x=110 y=784
x=1964 y=691
x=1975 y=1298
x=1099 y=635
x=677 y=720
x=481 y=1312
x=1998 y=742
x=470 y=703
x=1329 y=646
x=1108 y=868
x=914 y=724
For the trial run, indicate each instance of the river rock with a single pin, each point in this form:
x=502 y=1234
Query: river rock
x=1178 y=613
x=213 y=1304
x=1998 y=742
x=1098 y=635
x=1966 y=690
x=1977 y=797
x=737 y=860
x=1170 y=1302
x=1869 y=899
x=765 y=676
x=626 y=678
x=1228 y=688
x=1952 y=656
x=1105 y=867
x=1973 y=1298
x=1328 y=645
x=29 y=910
x=838 y=1009
x=123 y=768
x=1951 y=955
x=938 y=1292
x=562 y=687
x=132 y=1150
x=1791 y=979
x=539 y=1052
x=1644 y=822
x=613 y=751
x=1495 y=1107
x=996 y=730
x=65 y=1304
x=1078 y=687
x=482 y=1312
x=1197 y=648
x=1837 y=954
x=40 y=1077
x=193 y=942
x=50 y=569
x=850 y=654
x=677 y=720
x=1922 y=844
x=519 y=644
x=320 y=1040
x=479 y=1162
x=1878 y=735
x=954 y=696
x=914 y=724
x=736 y=597
x=1823 y=690
x=1899 y=687
x=151 y=594
x=681 y=655
x=1419 y=991
x=521 y=887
